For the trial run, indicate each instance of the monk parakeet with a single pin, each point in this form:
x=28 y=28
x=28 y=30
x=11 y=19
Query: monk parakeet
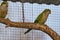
x=3 y=9
x=42 y=18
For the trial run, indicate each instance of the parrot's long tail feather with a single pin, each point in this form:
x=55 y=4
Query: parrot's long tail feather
x=28 y=31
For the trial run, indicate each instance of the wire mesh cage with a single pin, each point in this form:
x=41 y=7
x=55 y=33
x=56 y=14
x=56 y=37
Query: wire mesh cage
x=27 y=12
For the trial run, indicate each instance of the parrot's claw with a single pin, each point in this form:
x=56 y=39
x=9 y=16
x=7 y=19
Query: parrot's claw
x=6 y=26
x=7 y=18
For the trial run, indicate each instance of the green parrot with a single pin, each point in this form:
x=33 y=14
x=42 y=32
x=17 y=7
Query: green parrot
x=3 y=9
x=41 y=19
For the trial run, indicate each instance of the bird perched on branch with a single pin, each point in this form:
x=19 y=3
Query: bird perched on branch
x=3 y=9
x=41 y=19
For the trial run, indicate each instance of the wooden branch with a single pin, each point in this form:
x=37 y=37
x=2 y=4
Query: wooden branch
x=35 y=26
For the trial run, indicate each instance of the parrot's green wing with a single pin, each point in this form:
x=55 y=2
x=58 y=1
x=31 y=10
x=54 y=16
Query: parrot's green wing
x=38 y=18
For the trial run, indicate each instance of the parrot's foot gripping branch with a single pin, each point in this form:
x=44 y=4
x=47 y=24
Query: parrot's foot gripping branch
x=6 y=26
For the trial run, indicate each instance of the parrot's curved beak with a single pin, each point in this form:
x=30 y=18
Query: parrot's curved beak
x=50 y=12
x=7 y=6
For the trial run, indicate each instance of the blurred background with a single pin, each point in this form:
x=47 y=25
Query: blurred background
x=31 y=11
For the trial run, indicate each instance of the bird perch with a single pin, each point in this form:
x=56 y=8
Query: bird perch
x=35 y=26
